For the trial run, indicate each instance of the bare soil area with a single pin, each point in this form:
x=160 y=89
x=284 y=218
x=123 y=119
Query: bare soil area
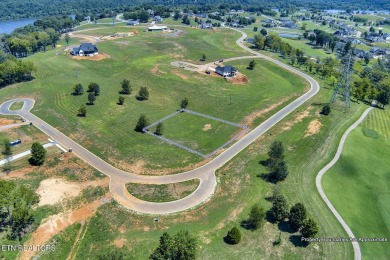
x=313 y=128
x=54 y=190
x=98 y=57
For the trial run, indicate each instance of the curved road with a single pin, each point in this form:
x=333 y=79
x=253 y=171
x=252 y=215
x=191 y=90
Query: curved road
x=205 y=173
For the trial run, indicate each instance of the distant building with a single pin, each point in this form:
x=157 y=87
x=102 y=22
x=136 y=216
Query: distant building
x=226 y=71
x=85 y=49
x=133 y=22
x=158 y=19
x=206 y=26
x=157 y=28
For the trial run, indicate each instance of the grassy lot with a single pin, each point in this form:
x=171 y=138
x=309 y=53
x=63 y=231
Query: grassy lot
x=107 y=130
x=28 y=134
x=308 y=49
x=163 y=192
x=358 y=185
x=239 y=187
x=200 y=134
x=16 y=106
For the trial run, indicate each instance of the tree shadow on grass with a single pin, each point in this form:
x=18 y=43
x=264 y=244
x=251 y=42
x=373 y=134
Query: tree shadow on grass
x=284 y=226
x=297 y=241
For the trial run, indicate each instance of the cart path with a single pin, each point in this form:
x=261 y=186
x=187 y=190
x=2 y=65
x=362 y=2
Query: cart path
x=321 y=173
x=205 y=173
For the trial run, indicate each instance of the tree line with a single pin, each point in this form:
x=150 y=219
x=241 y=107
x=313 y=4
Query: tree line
x=13 y=70
x=38 y=37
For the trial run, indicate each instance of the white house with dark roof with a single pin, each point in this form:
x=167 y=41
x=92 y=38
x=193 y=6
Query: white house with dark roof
x=85 y=49
x=226 y=71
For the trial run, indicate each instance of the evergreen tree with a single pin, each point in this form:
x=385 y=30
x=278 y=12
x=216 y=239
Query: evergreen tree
x=82 y=111
x=309 y=228
x=252 y=64
x=159 y=129
x=91 y=98
x=7 y=148
x=233 y=236
x=38 y=154
x=126 y=88
x=143 y=94
x=121 y=100
x=78 y=89
x=326 y=110
x=256 y=217
x=184 y=103
x=279 y=210
x=297 y=216
x=141 y=124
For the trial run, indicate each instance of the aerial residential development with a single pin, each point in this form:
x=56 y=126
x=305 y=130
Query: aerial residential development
x=195 y=130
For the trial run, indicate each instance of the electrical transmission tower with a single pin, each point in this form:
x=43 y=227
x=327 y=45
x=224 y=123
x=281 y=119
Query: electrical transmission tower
x=344 y=84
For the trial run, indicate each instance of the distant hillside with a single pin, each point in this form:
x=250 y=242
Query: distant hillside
x=15 y=9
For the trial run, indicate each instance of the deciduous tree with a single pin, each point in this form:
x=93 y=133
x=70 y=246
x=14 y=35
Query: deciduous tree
x=82 y=111
x=121 y=100
x=184 y=103
x=256 y=217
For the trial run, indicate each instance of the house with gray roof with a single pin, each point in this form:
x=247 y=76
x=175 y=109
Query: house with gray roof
x=85 y=49
x=226 y=71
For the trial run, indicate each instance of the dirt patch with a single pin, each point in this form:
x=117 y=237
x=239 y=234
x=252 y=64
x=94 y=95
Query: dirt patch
x=239 y=79
x=119 y=242
x=98 y=57
x=6 y=121
x=298 y=118
x=57 y=223
x=54 y=190
x=248 y=120
x=313 y=128
x=182 y=76
x=118 y=36
x=156 y=70
x=206 y=127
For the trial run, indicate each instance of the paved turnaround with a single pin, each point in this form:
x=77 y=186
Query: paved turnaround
x=205 y=173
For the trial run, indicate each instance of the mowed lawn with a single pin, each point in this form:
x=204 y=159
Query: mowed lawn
x=359 y=184
x=145 y=59
x=198 y=133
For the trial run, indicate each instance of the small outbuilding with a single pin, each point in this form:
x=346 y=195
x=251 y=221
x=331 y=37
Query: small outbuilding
x=226 y=71
x=157 y=28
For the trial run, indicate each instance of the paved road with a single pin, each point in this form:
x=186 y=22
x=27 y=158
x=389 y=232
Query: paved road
x=355 y=245
x=205 y=173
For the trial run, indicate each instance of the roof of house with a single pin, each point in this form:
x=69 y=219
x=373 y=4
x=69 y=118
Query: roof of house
x=87 y=47
x=225 y=69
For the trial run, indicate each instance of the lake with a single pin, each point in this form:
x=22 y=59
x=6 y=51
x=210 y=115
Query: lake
x=289 y=35
x=9 y=26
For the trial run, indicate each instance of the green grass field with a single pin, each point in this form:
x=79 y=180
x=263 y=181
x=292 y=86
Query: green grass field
x=309 y=50
x=200 y=134
x=162 y=192
x=16 y=106
x=107 y=130
x=359 y=184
